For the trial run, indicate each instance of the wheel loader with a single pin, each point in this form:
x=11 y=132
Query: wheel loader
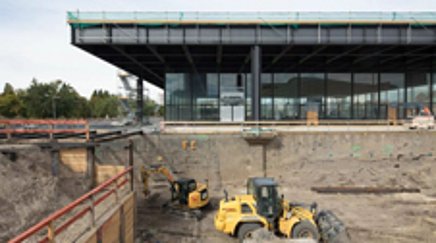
x=187 y=195
x=262 y=207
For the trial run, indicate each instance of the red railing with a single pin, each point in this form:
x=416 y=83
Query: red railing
x=32 y=127
x=48 y=222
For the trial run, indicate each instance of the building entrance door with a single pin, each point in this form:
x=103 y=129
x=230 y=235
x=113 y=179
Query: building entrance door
x=232 y=98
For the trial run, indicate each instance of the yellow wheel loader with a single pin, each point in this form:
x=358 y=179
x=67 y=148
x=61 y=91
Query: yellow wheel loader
x=262 y=207
x=187 y=195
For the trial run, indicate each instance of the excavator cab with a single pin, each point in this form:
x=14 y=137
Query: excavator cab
x=182 y=188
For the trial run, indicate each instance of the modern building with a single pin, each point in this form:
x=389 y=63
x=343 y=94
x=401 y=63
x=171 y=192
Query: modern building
x=240 y=66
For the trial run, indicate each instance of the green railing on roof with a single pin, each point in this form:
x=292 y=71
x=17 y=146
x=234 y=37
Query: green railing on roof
x=412 y=17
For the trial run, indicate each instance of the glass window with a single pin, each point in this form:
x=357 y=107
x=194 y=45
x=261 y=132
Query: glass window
x=338 y=96
x=266 y=94
x=391 y=94
x=312 y=93
x=365 y=95
x=434 y=93
x=418 y=92
x=286 y=101
x=232 y=92
x=205 y=96
x=177 y=96
x=248 y=92
x=246 y=209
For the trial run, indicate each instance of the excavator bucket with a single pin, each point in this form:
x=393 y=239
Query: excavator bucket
x=332 y=229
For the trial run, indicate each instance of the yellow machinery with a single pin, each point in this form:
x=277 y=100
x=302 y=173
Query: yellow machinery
x=186 y=192
x=263 y=208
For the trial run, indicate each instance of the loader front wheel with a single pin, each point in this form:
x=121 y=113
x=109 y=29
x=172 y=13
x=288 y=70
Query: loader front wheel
x=246 y=230
x=305 y=229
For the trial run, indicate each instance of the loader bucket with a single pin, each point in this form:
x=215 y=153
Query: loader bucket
x=332 y=229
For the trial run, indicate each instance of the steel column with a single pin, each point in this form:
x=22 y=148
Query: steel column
x=256 y=70
x=139 y=100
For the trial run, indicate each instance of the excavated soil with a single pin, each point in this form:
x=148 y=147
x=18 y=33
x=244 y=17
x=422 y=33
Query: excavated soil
x=401 y=217
x=28 y=191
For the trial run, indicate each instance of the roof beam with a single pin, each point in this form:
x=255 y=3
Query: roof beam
x=246 y=60
x=343 y=54
x=189 y=57
x=372 y=54
x=404 y=54
x=219 y=54
x=143 y=67
x=421 y=57
x=279 y=56
x=318 y=50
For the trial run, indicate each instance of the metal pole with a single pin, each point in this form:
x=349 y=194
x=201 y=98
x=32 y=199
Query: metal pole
x=53 y=102
x=139 y=101
x=131 y=164
x=256 y=70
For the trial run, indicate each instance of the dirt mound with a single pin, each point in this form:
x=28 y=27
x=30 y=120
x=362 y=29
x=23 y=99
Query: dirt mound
x=28 y=191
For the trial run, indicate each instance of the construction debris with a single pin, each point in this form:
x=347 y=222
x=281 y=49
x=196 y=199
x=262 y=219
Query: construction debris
x=364 y=189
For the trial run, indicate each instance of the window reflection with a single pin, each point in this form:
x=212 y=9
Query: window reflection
x=286 y=101
x=365 y=95
x=312 y=93
x=338 y=96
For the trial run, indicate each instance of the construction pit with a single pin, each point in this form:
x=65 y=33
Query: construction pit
x=298 y=162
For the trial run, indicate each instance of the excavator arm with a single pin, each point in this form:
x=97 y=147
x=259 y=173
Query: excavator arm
x=159 y=169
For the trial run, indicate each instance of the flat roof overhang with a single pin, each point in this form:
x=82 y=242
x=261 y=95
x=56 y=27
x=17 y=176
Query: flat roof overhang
x=149 y=48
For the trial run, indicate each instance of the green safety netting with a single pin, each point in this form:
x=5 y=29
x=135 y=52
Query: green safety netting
x=79 y=19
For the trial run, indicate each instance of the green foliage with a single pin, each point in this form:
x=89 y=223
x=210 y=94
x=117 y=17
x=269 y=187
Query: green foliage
x=59 y=99
x=10 y=103
x=103 y=104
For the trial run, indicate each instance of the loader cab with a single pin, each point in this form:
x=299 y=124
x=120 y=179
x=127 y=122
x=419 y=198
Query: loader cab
x=264 y=191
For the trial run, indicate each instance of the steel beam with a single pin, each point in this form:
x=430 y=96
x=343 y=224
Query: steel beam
x=307 y=57
x=189 y=57
x=373 y=54
x=144 y=68
x=343 y=54
x=404 y=54
x=256 y=70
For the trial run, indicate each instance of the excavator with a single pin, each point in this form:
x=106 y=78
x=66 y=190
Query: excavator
x=188 y=196
x=262 y=207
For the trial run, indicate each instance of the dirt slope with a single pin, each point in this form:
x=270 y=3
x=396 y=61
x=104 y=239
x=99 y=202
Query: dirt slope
x=28 y=191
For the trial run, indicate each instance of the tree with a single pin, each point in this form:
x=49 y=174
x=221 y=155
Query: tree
x=103 y=104
x=10 y=103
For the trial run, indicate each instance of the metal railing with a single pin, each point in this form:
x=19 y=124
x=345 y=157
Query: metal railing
x=95 y=197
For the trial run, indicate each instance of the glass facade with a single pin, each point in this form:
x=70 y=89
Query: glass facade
x=288 y=96
x=338 y=96
x=365 y=98
x=286 y=99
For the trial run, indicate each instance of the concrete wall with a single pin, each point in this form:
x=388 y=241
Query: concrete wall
x=229 y=157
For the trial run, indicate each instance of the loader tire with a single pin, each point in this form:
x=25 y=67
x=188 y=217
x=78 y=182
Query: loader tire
x=245 y=231
x=305 y=229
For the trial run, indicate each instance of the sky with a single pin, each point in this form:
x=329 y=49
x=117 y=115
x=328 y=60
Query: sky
x=35 y=38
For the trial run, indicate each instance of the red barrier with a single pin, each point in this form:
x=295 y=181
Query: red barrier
x=32 y=127
x=48 y=222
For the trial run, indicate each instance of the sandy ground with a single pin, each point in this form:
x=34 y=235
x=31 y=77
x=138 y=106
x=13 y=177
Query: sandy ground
x=369 y=217
x=28 y=191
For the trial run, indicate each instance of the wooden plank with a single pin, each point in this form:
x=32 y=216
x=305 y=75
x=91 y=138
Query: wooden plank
x=111 y=229
x=92 y=238
x=128 y=208
x=364 y=189
x=75 y=159
x=105 y=172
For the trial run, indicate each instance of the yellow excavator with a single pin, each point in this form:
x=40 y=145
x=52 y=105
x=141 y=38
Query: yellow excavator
x=187 y=195
x=262 y=207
